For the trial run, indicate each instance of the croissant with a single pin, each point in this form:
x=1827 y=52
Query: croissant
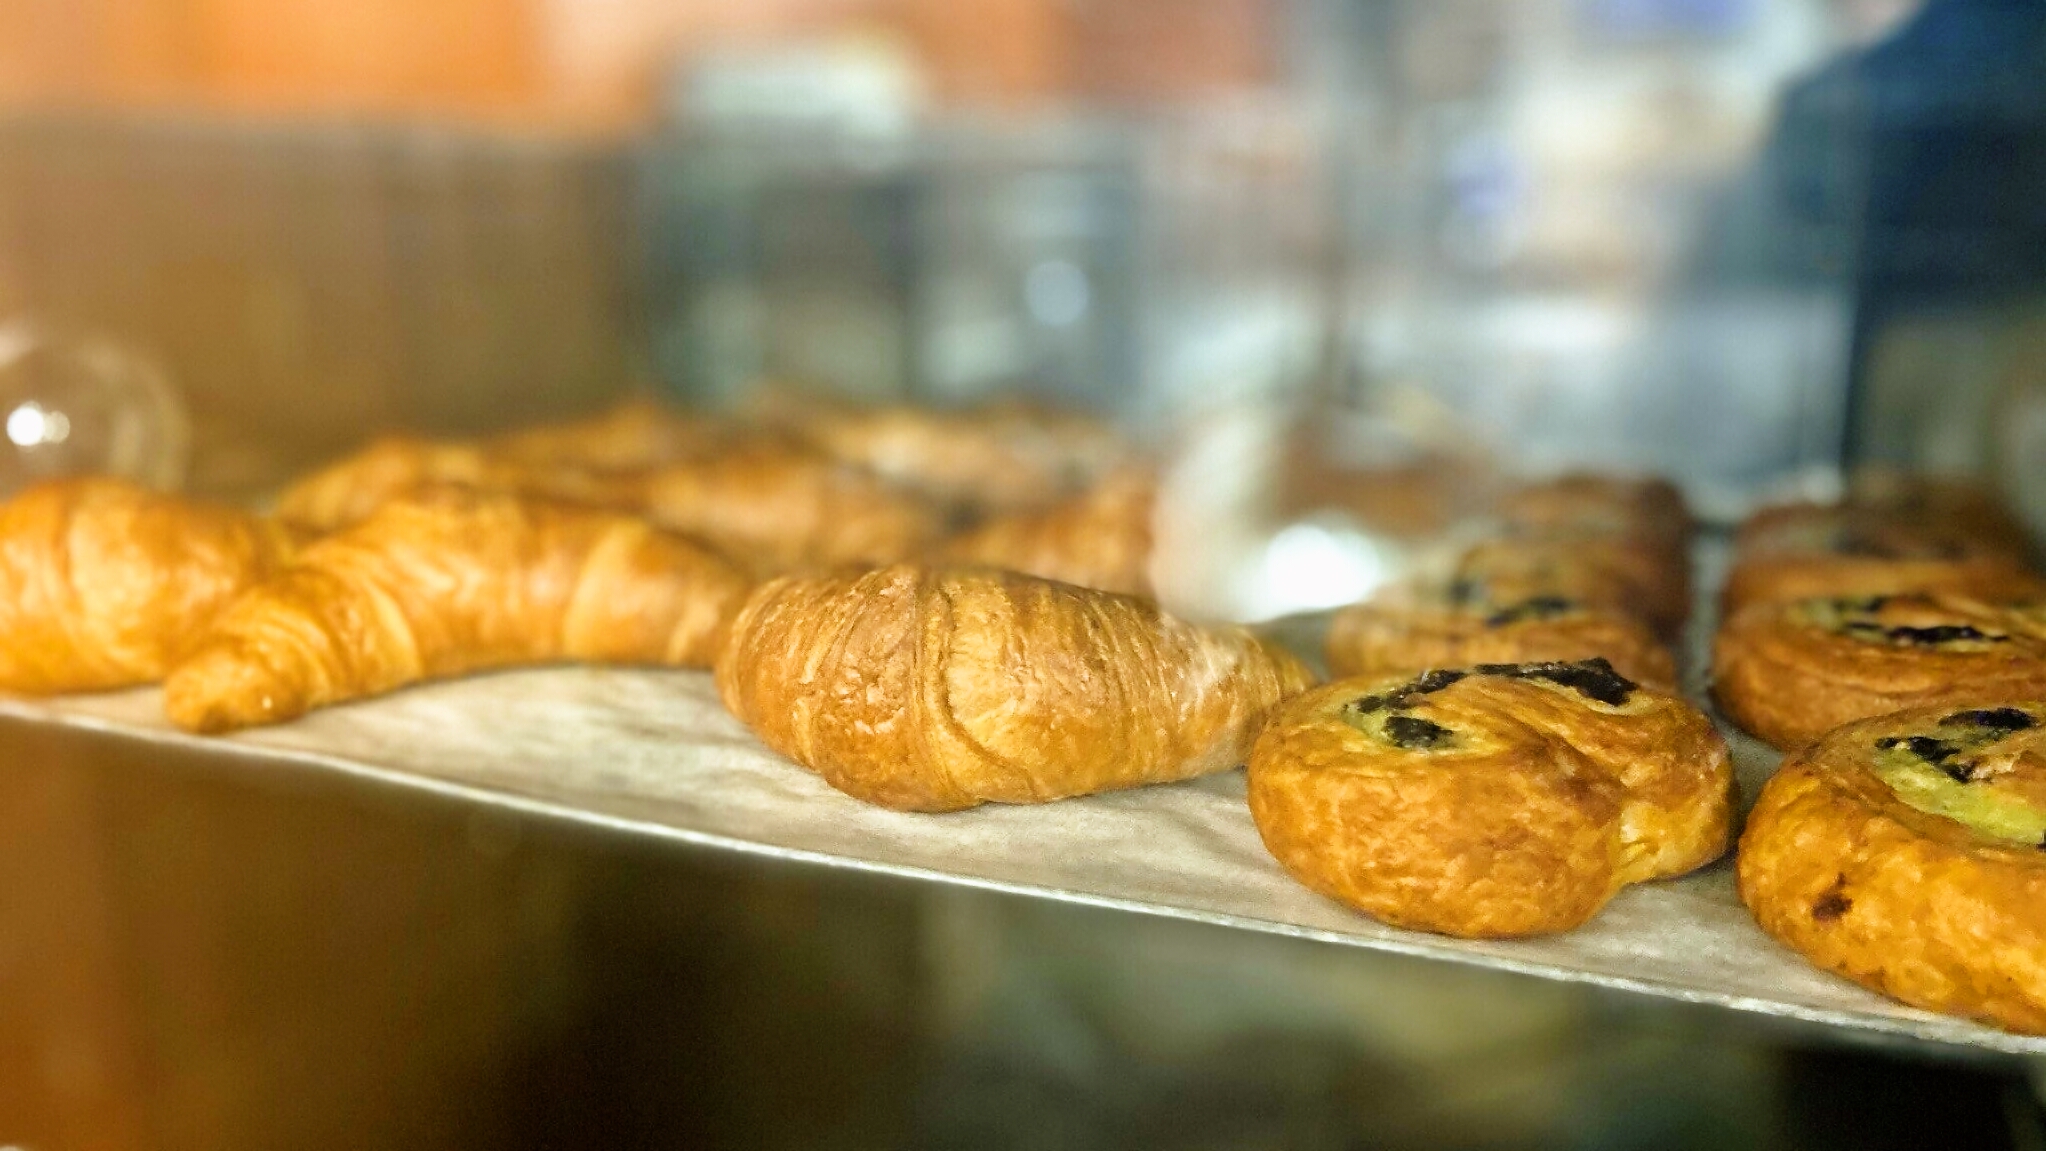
x=779 y=506
x=636 y=434
x=939 y=688
x=1001 y=458
x=449 y=581
x=104 y=584
x=349 y=490
x=1099 y=539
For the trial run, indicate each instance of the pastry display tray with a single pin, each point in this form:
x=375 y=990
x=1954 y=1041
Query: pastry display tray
x=652 y=753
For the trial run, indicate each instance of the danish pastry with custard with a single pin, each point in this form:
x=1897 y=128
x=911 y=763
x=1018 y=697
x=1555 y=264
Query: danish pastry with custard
x=1416 y=630
x=1904 y=852
x=1496 y=800
x=1806 y=552
x=1789 y=672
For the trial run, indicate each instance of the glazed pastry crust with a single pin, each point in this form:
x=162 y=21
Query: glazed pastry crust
x=1543 y=806
x=1913 y=905
x=104 y=584
x=1100 y=539
x=1789 y=672
x=1417 y=632
x=632 y=436
x=935 y=689
x=446 y=582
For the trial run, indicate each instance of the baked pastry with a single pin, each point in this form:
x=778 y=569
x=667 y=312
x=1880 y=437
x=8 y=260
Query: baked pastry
x=448 y=581
x=1593 y=568
x=939 y=688
x=349 y=490
x=104 y=584
x=1789 y=672
x=983 y=461
x=1497 y=800
x=1099 y=539
x=1420 y=629
x=636 y=434
x=1647 y=512
x=1956 y=503
x=1904 y=852
x=778 y=506
x=1796 y=553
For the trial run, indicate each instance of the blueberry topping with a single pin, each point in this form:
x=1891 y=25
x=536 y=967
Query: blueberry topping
x=1591 y=678
x=1411 y=731
x=1463 y=591
x=1408 y=693
x=1942 y=634
x=1994 y=718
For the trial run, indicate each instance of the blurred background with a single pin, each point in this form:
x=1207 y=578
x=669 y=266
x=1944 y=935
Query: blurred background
x=1746 y=243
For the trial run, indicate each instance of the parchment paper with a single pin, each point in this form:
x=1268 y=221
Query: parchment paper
x=653 y=753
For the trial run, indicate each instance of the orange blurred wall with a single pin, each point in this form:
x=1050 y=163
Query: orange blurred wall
x=575 y=62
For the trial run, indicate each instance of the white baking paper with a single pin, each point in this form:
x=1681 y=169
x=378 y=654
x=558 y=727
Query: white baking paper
x=653 y=753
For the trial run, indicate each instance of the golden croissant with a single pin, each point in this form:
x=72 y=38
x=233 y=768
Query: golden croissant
x=1099 y=539
x=104 y=584
x=999 y=458
x=349 y=490
x=779 y=506
x=935 y=689
x=636 y=434
x=451 y=581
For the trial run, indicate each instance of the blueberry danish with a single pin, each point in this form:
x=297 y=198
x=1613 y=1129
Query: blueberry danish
x=1908 y=853
x=1442 y=628
x=1789 y=672
x=1489 y=801
x=1810 y=551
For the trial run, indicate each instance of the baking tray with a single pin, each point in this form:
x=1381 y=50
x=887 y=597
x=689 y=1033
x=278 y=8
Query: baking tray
x=652 y=753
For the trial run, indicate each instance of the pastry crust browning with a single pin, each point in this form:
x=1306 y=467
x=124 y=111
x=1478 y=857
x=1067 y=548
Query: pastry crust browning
x=447 y=582
x=935 y=689
x=1415 y=632
x=1099 y=539
x=104 y=584
x=1593 y=568
x=1789 y=672
x=1487 y=803
x=1919 y=906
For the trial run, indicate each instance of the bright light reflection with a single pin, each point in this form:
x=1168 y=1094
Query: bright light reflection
x=1309 y=567
x=26 y=425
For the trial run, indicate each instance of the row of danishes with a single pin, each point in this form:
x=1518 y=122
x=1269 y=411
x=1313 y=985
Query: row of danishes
x=1504 y=751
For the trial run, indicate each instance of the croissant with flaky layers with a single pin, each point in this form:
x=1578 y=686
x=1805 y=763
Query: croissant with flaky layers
x=449 y=581
x=1100 y=539
x=351 y=489
x=104 y=584
x=939 y=688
